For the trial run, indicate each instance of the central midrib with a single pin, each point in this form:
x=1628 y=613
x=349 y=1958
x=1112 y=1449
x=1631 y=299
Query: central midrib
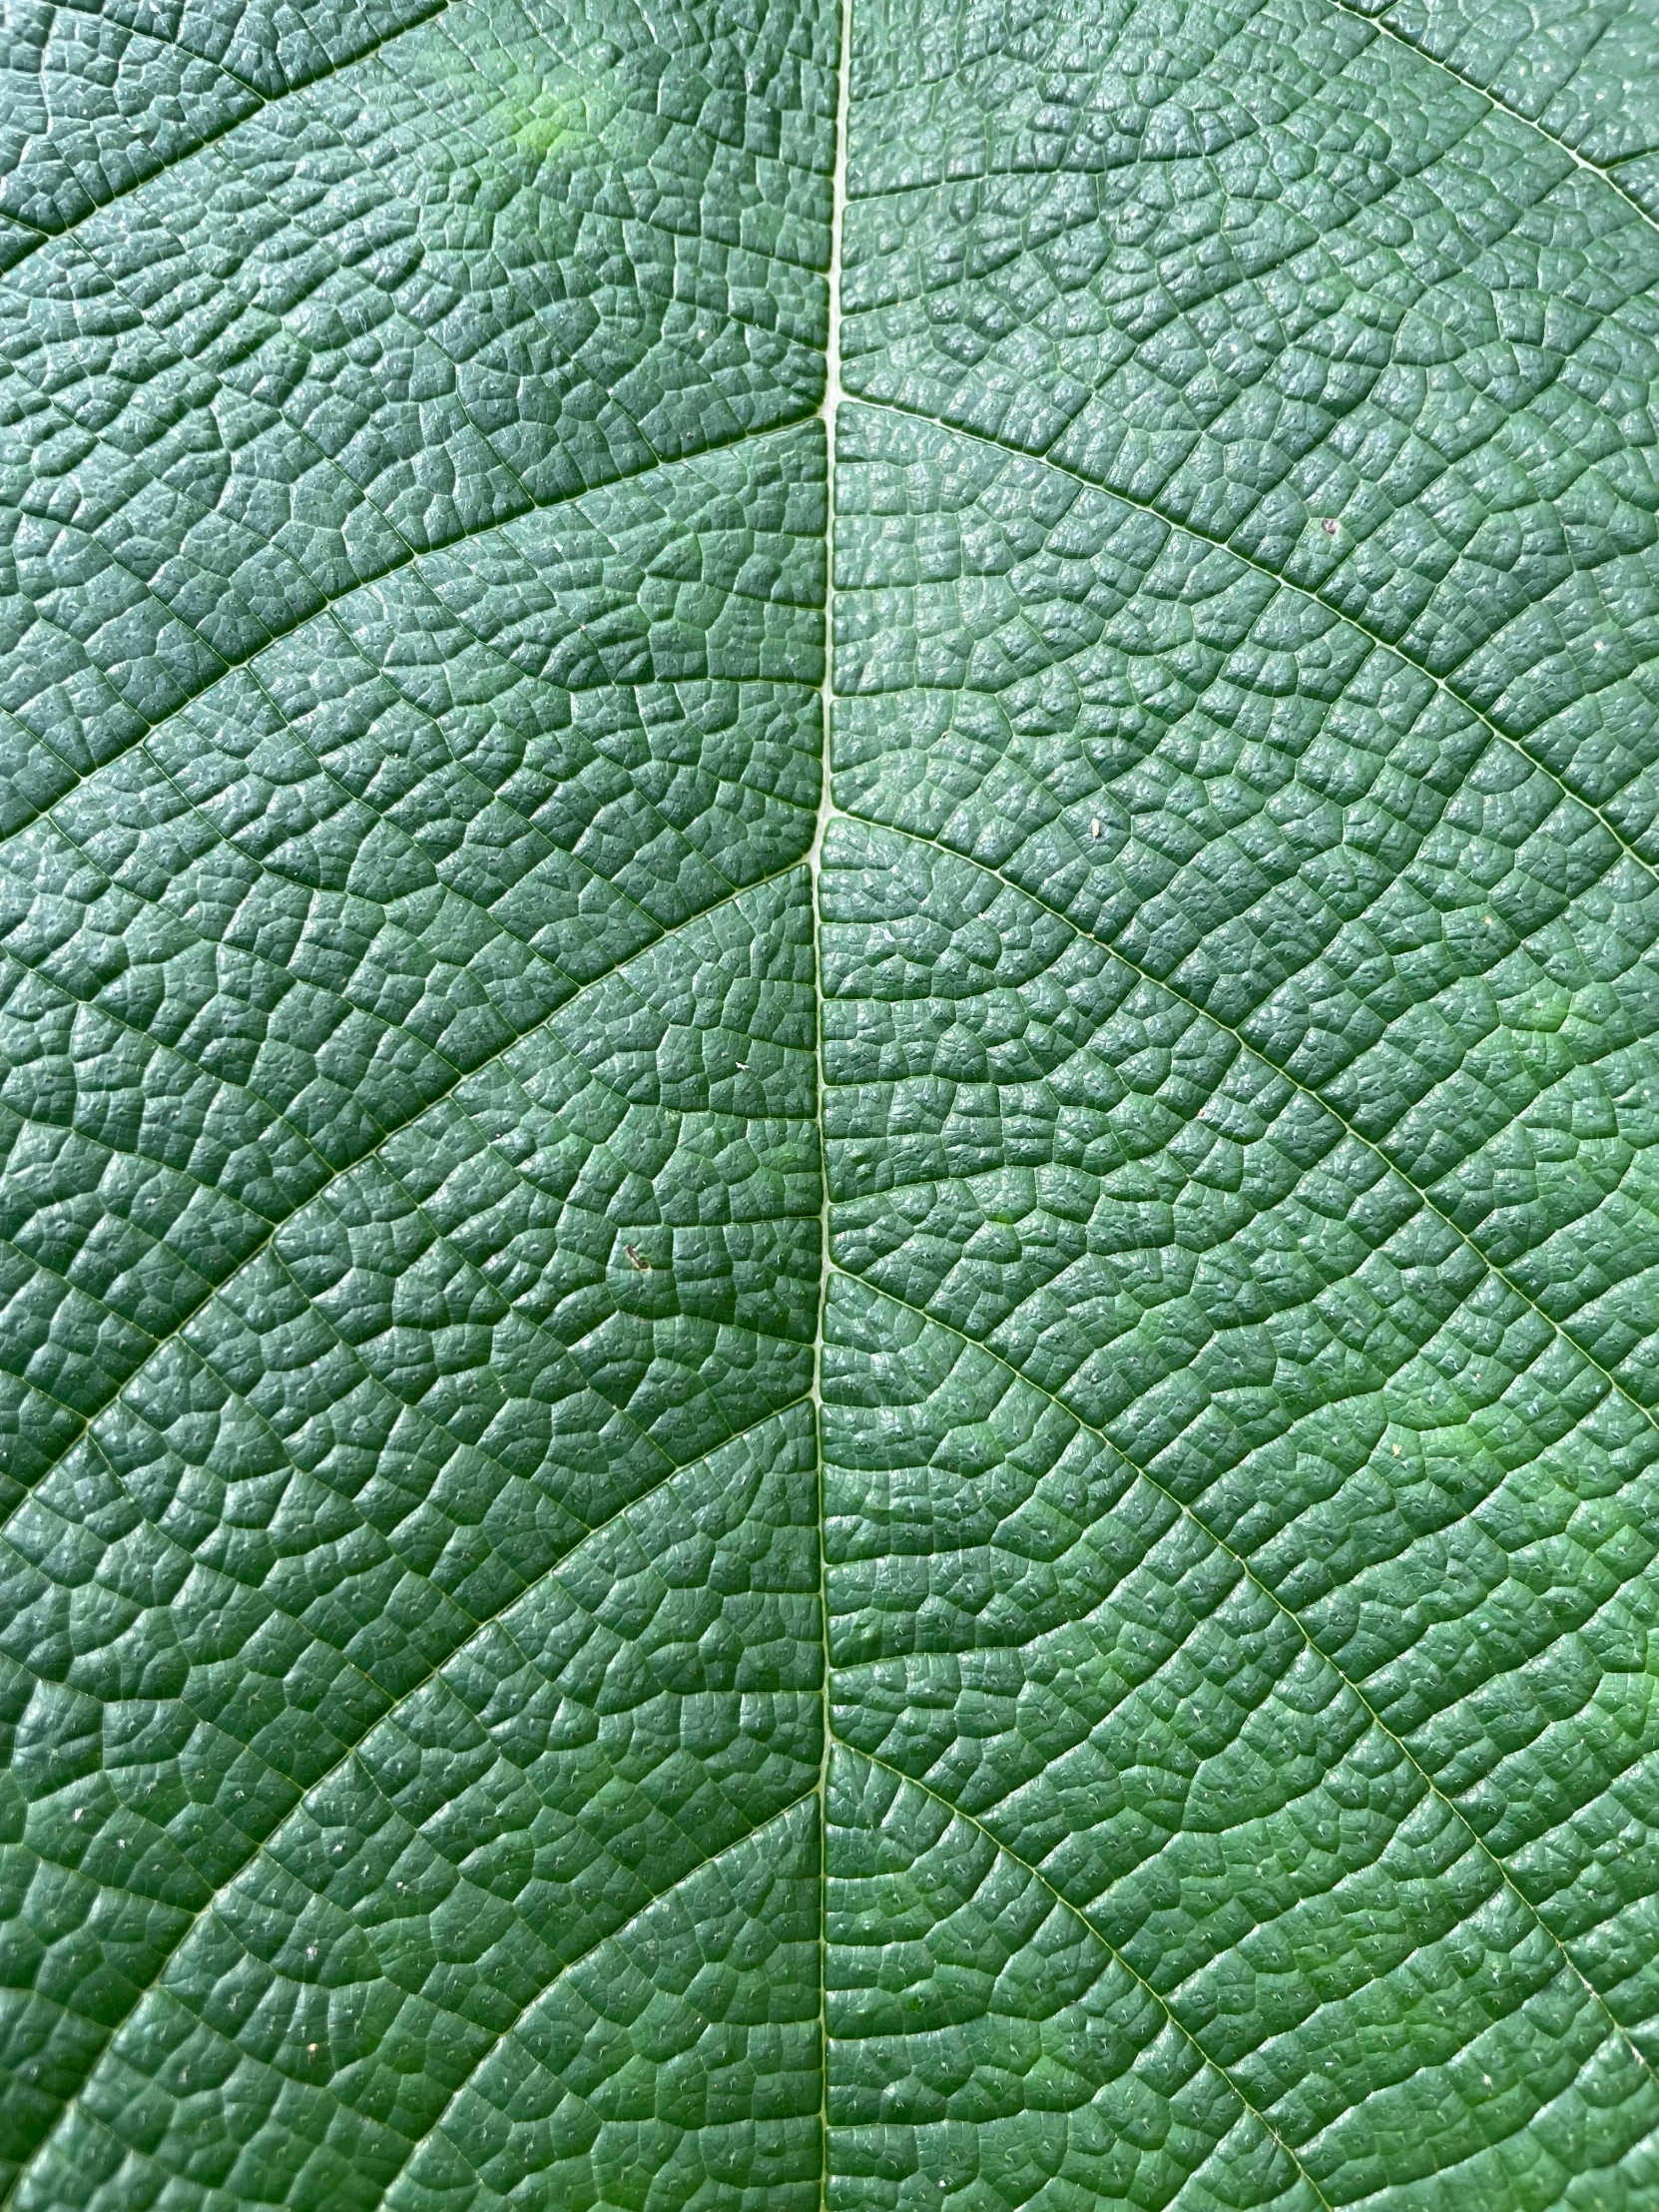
x=826 y=811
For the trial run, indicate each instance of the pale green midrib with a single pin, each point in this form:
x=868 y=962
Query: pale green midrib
x=72 y=2103
x=1310 y=1091
x=44 y=236
x=352 y=1166
x=826 y=811
x=1173 y=521
x=1281 y=1607
x=1085 y=1920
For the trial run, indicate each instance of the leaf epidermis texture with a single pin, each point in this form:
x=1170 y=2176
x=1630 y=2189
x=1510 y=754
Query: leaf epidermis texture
x=826 y=1103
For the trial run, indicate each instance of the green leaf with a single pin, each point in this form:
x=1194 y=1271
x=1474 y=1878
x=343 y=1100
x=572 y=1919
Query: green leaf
x=730 y=1489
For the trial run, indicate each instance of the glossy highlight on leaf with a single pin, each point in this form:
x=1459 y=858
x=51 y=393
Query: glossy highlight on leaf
x=828 y=1097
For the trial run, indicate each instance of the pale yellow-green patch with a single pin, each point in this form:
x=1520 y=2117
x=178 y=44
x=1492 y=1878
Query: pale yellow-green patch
x=551 y=124
x=504 y=100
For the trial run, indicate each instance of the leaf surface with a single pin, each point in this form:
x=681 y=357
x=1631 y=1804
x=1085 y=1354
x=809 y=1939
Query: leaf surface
x=829 y=1361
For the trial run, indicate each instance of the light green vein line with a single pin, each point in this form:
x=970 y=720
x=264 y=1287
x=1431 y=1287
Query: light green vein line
x=826 y=812
x=1306 y=1090
x=411 y=557
x=617 y=1935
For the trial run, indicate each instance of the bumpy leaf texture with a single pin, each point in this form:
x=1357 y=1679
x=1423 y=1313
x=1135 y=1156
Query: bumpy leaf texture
x=828 y=1350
